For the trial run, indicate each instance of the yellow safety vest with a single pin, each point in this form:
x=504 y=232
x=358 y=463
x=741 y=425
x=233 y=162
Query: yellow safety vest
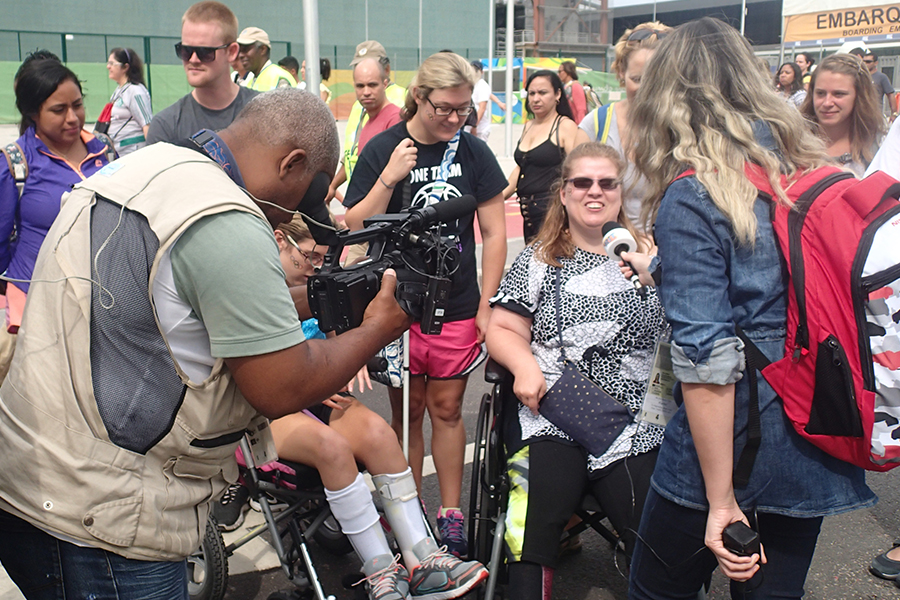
x=271 y=77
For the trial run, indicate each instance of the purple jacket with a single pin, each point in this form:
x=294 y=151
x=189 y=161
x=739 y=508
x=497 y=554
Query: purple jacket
x=49 y=176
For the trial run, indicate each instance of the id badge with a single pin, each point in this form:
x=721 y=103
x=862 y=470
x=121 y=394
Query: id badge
x=659 y=402
x=262 y=443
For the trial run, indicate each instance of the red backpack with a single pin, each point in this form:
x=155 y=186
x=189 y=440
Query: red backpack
x=839 y=379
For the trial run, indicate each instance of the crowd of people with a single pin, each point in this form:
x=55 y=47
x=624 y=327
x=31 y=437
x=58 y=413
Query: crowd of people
x=137 y=364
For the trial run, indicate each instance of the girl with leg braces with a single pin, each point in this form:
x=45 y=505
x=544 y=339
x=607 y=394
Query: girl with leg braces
x=342 y=432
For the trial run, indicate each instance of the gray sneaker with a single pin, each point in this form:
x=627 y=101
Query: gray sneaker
x=386 y=578
x=442 y=576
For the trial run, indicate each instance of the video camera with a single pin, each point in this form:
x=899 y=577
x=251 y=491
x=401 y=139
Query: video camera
x=411 y=244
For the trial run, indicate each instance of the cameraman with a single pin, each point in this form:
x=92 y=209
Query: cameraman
x=141 y=362
x=416 y=163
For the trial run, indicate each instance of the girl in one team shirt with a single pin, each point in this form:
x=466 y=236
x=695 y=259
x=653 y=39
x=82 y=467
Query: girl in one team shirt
x=405 y=162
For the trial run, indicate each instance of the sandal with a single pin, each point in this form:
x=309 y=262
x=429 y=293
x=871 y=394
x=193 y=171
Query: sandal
x=884 y=567
x=572 y=545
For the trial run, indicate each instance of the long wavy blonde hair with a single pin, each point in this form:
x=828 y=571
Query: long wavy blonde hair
x=554 y=241
x=699 y=99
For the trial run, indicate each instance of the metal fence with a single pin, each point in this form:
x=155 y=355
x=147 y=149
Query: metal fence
x=86 y=55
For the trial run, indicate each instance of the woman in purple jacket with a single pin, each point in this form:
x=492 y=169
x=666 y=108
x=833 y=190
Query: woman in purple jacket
x=58 y=153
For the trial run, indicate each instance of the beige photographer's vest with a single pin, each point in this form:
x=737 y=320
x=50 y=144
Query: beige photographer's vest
x=60 y=470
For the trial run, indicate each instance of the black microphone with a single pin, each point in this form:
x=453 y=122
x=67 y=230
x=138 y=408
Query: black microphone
x=441 y=212
x=616 y=240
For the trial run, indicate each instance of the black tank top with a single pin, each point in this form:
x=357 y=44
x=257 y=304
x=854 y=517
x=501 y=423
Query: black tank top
x=539 y=168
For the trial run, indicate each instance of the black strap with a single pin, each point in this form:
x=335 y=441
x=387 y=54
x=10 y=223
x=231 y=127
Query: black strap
x=119 y=130
x=557 y=302
x=756 y=361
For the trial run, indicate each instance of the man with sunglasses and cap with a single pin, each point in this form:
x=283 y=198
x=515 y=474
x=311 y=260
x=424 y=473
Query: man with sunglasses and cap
x=255 y=50
x=207 y=47
x=159 y=328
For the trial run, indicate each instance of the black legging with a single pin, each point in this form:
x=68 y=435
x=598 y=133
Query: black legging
x=557 y=481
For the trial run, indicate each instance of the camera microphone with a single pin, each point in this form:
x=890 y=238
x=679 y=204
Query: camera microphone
x=616 y=240
x=441 y=212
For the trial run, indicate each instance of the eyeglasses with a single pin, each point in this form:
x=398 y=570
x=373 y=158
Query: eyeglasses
x=586 y=183
x=313 y=258
x=869 y=62
x=444 y=111
x=204 y=53
x=112 y=63
x=643 y=34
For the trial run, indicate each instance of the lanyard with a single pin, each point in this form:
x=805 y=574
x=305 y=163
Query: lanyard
x=444 y=171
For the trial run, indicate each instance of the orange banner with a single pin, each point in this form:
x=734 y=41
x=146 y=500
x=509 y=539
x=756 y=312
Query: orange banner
x=844 y=23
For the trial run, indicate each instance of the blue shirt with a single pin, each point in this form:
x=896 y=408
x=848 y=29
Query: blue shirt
x=710 y=284
x=49 y=177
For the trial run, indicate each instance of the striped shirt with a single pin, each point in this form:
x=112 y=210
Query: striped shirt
x=130 y=114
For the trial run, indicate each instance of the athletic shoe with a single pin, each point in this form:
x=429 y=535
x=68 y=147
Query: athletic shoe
x=274 y=505
x=386 y=578
x=452 y=532
x=229 y=509
x=442 y=576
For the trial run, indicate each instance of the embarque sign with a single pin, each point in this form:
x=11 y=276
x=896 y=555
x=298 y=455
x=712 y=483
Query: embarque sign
x=882 y=22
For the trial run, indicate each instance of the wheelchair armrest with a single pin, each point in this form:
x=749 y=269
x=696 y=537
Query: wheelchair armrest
x=494 y=372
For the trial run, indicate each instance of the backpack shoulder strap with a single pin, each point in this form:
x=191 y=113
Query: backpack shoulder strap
x=607 y=122
x=18 y=166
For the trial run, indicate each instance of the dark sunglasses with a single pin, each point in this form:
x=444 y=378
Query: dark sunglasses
x=585 y=183
x=643 y=34
x=204 y=53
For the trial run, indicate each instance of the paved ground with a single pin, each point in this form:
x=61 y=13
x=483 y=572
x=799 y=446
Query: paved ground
x=845 y=548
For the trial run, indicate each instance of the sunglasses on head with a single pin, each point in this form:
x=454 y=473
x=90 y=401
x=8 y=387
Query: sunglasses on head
x=204 y=53
x=585 y=183
x=643 y=34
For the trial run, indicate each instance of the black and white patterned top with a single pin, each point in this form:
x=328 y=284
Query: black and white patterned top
x=609 y=331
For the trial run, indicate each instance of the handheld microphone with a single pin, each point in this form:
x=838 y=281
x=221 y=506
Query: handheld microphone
x=616 y=240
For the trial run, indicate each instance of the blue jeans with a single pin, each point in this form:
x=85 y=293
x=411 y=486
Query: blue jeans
x=671 y=561
x=45 y=568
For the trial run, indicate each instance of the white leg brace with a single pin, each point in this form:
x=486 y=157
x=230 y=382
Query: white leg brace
x=403 y=511
x=355 y=512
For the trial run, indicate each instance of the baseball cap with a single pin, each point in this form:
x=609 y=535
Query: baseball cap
x=368 y=49
x=252 y=35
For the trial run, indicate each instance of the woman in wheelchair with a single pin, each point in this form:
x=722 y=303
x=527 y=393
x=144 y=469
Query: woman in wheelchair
x=563 y=288
x=341 y=432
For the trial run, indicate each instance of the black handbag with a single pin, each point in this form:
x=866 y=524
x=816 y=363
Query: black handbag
x=579 y=407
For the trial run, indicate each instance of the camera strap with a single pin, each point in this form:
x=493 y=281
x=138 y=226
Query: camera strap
x=210 y=144
x=444 y=171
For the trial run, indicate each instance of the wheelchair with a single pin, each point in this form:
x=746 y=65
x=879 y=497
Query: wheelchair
x=490 y=487
x=305 y=515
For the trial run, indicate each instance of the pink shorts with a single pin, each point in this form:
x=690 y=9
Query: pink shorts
x=452 y=354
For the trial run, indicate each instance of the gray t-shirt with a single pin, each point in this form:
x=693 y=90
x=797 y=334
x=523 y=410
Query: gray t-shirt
x=186 y=117
x=882 y=87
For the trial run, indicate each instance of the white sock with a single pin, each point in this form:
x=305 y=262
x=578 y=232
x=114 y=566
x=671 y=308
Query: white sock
x=403 y=511
x=355 y=512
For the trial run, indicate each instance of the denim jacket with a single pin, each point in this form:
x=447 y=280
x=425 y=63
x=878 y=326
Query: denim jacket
x=709 y=284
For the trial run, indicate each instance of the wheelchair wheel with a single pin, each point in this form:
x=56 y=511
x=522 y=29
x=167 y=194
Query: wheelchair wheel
x=484 y=498
x=330 y=537
x=208 y=567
